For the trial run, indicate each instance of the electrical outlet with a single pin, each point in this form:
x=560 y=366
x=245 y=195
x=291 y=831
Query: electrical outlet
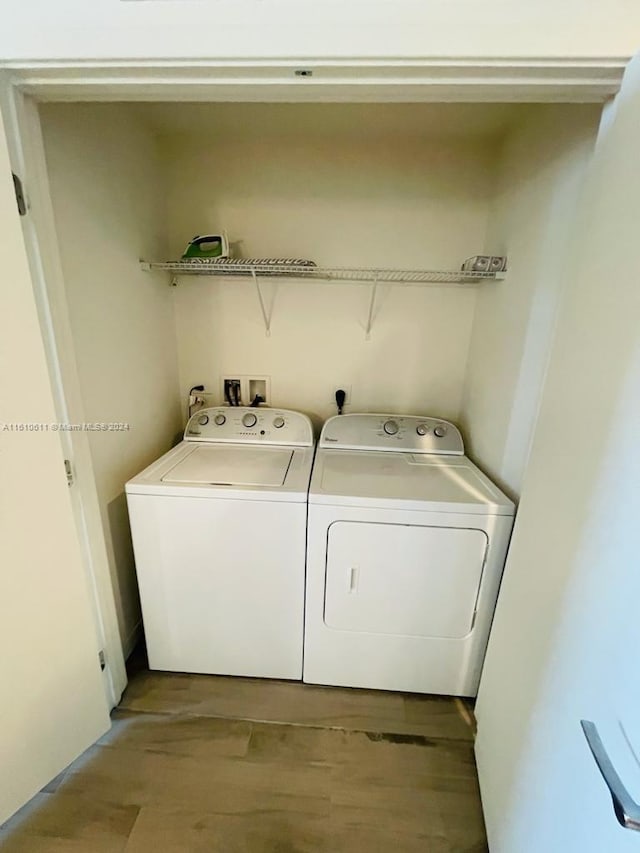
x=347 y=400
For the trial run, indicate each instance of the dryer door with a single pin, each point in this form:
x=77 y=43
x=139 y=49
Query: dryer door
x=403 y=580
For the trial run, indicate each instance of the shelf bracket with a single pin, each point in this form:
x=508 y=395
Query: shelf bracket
x=266 y=315
x=145 y=266
x=372 y=305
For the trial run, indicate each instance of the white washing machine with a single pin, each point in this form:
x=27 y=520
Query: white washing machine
x=219 y=532
x=406 y=545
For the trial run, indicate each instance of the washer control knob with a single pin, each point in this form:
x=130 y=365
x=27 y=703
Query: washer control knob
x=422 y=429
x=278 y=422
x=440 y=431
x=249 y=420
x=219 y=419
x=203 y=420
x=391 y=427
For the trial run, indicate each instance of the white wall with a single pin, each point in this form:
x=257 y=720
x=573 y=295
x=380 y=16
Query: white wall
x=566 y=631
x=107 y=194
x=541 y=173
x=361 y=193
x=306 y=28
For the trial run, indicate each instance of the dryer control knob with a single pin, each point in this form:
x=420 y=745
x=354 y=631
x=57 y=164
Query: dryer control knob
x=422 y=429
x=278 y=422
x=249 y=420
x=219 y=420
x=391 y=427
x=203 y=420
x=440 y=431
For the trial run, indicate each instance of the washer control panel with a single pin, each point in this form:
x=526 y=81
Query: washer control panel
x=251 y=425
x=406 y=433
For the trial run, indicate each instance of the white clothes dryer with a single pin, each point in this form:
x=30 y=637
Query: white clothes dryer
x=219 y=531
x=406 y=545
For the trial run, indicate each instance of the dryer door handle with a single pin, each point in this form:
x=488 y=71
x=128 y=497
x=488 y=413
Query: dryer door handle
x=352 y=576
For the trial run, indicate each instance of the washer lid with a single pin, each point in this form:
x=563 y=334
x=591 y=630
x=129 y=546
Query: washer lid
x=447 y=483
x=229 y=465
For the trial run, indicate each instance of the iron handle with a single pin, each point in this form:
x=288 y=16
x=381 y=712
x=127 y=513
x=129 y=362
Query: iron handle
x=626 y=809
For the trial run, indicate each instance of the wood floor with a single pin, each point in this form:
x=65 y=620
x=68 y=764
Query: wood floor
x=226 y=765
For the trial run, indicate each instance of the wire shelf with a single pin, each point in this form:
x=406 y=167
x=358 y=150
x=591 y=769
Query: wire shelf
x=258 y=272
x=330 y=274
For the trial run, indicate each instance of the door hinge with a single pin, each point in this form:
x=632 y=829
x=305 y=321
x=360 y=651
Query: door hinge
x=20 y=197
x=102 y=659
x=69 y=471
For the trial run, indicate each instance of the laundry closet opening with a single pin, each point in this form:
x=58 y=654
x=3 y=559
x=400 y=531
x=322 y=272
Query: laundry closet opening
x=379 y=186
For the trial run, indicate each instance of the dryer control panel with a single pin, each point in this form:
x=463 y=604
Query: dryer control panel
x=252 y=425
x=406 y=433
